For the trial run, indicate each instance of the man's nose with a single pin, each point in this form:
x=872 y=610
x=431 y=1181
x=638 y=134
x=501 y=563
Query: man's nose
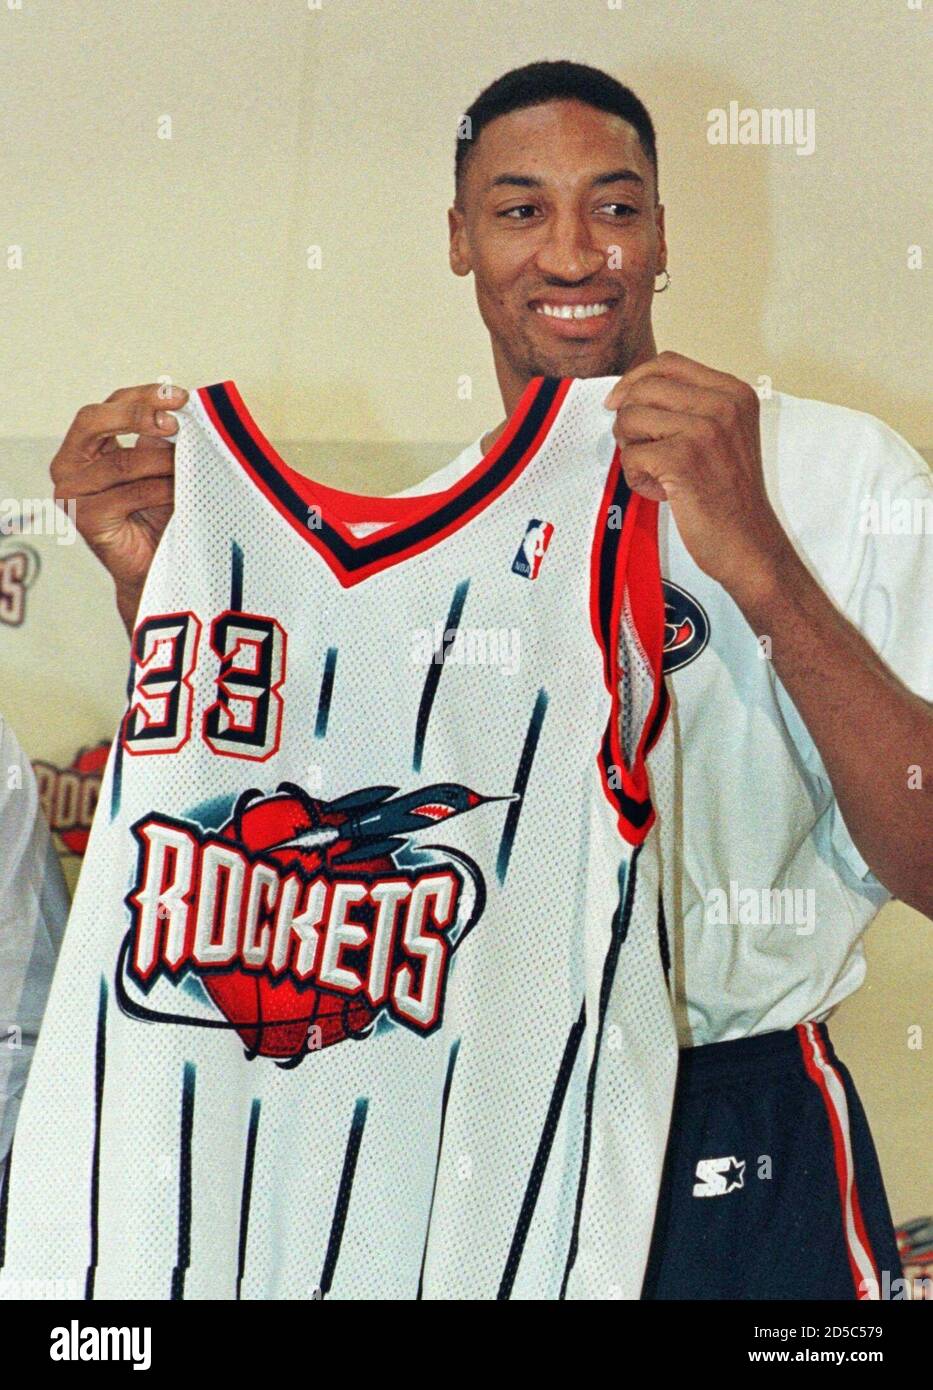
x=569 y=251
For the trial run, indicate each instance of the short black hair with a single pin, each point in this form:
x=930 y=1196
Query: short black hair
x=536 y=83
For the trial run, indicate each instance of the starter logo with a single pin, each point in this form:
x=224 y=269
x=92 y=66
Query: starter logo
x=717 y=1176
x=300 y=923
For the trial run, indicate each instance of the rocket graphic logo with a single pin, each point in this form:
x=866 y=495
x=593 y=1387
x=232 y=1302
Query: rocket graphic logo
x=535 y=542
x=298 y=923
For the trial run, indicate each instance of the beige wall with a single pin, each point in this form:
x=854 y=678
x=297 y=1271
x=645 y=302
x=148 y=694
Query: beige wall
x=294 y=126
x=874 y=1033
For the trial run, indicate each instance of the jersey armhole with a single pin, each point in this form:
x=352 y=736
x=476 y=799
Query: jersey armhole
x=626 y=586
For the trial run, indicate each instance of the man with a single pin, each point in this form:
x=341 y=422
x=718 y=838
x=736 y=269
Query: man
x=798 y=750
x=797 y=769
x=33 y=910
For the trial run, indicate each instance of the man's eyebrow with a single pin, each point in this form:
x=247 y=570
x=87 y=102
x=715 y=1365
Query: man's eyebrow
x=619 y=176
x=520 y=180
x=600 y=181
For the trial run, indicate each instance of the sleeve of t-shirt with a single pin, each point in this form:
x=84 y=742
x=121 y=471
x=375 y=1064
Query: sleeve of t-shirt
x=884 y=530
x=33 y=911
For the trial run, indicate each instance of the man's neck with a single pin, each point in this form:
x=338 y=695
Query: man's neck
x=489 y=440
x=511 y=388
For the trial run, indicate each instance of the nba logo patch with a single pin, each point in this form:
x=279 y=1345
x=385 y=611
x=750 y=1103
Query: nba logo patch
x=535 y=542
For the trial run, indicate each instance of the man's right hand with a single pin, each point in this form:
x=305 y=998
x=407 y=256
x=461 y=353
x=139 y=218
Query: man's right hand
x=123 y=496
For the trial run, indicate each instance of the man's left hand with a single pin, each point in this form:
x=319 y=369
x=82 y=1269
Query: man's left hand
x=689 y=435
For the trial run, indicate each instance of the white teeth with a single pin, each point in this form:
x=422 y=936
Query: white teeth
x=572 y=311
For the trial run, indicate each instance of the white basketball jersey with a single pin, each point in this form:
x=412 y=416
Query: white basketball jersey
x=362 y=994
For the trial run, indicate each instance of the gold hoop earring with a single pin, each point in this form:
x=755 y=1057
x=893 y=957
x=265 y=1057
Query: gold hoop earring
x=659 y=289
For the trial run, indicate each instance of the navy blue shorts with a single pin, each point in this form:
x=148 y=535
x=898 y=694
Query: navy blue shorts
x=771 y=1186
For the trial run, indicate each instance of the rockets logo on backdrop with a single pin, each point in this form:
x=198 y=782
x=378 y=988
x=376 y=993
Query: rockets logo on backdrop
x=68 y=795
x=299 y=923
x=19 y=569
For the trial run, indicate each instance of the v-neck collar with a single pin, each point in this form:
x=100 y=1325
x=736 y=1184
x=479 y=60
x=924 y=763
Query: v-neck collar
x=323 y=515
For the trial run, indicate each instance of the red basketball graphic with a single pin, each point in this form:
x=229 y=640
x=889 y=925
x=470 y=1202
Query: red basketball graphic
x=277 y=1018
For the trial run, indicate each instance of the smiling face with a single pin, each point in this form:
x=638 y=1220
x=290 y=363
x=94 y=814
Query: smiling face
x=557 y=220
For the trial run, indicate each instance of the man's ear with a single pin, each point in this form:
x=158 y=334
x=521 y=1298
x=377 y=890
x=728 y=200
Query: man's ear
x=459 y=251
x=662 y=238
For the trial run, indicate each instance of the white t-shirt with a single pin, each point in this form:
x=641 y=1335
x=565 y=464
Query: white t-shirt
x=33 y=911
x=767 y=895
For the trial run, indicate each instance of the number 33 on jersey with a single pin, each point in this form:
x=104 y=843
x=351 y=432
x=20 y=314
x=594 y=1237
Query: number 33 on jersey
x=245 y=718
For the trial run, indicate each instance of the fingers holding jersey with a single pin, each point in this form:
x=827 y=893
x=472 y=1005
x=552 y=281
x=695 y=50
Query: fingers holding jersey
x=674 y=397
x=121 y=496
x=675 y=370
x=690 y=435
x=650 y=468
x=148 y=501
x=91 y=456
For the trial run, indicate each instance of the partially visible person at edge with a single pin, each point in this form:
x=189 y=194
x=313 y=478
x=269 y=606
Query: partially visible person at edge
x=33 y=911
